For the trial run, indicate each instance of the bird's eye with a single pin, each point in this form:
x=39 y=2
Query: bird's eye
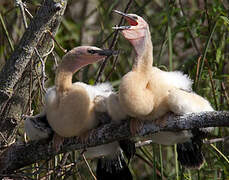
x=91 y=51
x=135 y=17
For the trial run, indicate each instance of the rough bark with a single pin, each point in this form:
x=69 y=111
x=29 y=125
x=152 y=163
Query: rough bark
x=15 y=75
x=20 y=155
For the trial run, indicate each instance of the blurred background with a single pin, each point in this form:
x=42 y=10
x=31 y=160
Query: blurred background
x=188 y=35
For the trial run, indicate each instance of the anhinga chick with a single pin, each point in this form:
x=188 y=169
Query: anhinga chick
x=149 y=93
x=71 y=110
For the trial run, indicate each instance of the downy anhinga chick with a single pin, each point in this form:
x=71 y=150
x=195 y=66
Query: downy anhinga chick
x=149 y=93
x=71 y=110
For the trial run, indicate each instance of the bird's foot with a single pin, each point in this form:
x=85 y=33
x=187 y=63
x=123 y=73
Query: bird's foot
x=135 y=126
x=57 y=142
x=100 y=104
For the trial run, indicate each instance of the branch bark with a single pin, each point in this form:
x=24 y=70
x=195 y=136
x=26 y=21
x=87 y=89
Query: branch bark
x=15 y=75
x=20 y=155
x=18 y=61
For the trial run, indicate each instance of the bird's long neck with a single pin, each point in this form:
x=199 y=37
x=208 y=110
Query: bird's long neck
x=144 y=53
x=64 y=74
x=63 y=80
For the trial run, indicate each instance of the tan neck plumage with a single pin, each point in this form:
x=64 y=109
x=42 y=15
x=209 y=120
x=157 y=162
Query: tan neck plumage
x=65 y=72
x=144 y=51
x=63 y=80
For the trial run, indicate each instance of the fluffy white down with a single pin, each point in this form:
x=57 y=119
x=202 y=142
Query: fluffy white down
x=50 y=95
x=170 y=138
x=36 y=129
x=103 y=89
x=177 y=79
x=181 y=102
x=33 y=132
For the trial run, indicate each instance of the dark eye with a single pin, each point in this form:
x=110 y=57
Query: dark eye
x=135 y=17
x=91 y=51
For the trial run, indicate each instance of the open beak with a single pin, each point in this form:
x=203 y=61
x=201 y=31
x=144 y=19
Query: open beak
x=132 y=20
x=103 y=52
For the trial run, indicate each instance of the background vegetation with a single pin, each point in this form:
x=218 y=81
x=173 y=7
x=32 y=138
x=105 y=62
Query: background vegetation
x=190 y=36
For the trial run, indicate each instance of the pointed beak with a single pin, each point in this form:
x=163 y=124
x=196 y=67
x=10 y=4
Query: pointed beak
x=103 y=52
x=132 y=20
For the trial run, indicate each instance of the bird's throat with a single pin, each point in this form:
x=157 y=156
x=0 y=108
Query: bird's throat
x=144 y=56
x=144 y=52
x=63 y=81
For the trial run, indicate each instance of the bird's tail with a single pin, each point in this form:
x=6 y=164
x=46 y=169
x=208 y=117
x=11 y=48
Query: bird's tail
x=128 y=148
x=113 y=168
x=189 y=153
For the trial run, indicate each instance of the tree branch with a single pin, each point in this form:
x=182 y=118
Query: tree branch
x=20 y=155
x=48 y=16
x=17 y=78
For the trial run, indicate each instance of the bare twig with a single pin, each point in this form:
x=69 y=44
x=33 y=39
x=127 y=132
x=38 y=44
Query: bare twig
x=112 y=45
x=197 y=69
x=143 y=143
x=212 y=83
x=16 y=65
x=91 y=172
x=189 y=29
x=64 y=50
x=113 y=67
x=225 y=92
x=6 y=32
x=21 y=5
x=210 y=141
x=43 y=70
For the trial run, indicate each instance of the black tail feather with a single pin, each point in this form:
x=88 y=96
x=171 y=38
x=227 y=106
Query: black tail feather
x=128 y=147
x=190 y=154
x=115 y=168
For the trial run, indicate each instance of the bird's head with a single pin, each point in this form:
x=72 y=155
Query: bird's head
x=84 y=55
x=136 y=32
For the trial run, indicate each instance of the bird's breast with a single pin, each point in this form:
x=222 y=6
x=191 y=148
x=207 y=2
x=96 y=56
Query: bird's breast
x=73 y=115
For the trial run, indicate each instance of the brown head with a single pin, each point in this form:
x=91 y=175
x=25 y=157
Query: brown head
x=76 y=59
x=137 y=32
x=84 y=55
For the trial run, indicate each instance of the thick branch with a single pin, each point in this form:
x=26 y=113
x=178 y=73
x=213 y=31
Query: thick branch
x=11 y=73
x=18 y=78
x=20 y=155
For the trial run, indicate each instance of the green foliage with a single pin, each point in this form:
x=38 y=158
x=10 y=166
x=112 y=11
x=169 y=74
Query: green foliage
x=182 y=32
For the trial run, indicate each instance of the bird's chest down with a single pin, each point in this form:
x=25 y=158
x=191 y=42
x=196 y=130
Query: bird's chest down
x=159 y=93
x=72 y=116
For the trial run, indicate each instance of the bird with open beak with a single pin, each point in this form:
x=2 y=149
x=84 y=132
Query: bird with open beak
x=149 y=94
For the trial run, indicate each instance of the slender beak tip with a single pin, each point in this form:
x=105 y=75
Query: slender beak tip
x=121 y=27
x=116 y=11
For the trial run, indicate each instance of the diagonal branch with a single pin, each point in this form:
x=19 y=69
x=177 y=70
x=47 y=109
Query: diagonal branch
x=20 y=155
x=16 y=65
x=18 y=78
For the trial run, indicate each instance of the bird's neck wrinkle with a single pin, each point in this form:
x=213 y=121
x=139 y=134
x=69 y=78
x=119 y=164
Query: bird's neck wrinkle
x=144 y=55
